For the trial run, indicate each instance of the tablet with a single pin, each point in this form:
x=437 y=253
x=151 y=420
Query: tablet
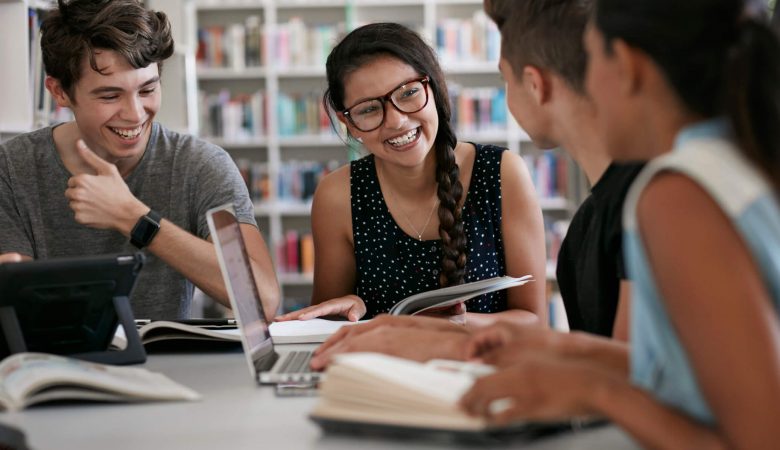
x=64 y=306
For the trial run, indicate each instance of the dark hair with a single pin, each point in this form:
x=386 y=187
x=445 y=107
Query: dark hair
x=543 y=33
x=76 y=28
x=720 y=57
x=364 y=45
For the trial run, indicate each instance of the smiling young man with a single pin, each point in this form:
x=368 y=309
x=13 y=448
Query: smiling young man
x=113 y=180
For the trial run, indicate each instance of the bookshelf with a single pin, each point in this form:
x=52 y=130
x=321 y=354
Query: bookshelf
x=261 y=100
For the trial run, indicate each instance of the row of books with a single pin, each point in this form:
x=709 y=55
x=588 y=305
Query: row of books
x=295 y=253
x=296 y=43
x=476 y=39
x=477 y=109
x=302 y=114
x=295 y=183
x=237 y=117
x=550 y=173
x=237 y=45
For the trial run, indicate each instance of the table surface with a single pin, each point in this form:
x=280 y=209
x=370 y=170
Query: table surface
x=233 y=413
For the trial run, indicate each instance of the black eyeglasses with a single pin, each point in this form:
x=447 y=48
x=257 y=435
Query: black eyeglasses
x=408 y=97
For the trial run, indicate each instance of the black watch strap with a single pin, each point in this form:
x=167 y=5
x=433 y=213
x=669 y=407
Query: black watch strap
x=145 y=229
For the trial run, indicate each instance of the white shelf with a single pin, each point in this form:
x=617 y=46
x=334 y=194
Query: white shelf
x=311 y=140
x=291 y=209
x=302 y=71
x=228 y=73
x=471 y=68
x=255 y=142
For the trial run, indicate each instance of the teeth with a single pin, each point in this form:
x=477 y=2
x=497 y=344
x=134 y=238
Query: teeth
x=127 y=134
x=405 y=139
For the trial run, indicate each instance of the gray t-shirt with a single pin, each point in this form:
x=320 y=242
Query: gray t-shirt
x=179 y=176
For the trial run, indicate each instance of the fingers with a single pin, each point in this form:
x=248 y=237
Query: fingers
x=357 y=311
x=10 y=257
x=301 y=313
x=101 y=166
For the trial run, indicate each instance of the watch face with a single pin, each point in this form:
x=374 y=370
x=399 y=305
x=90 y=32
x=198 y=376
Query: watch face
x=144 y=230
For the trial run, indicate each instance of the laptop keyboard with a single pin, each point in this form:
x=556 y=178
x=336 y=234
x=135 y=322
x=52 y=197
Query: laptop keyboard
x=296 y=362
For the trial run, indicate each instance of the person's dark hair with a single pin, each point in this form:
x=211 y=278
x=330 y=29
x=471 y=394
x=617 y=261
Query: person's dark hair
x=364 y=45
x=77 y=28
x=543 y=33
x=720 y=56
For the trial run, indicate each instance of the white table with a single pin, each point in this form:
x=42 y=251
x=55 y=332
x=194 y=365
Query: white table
x=234 y=413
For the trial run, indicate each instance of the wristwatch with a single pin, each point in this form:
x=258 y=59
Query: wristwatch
x=145 y=229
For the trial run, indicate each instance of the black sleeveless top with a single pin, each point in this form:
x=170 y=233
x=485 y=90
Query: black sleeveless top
x=392 y=265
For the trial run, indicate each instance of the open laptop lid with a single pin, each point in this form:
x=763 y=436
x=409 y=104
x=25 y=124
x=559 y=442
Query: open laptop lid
x=240 y=284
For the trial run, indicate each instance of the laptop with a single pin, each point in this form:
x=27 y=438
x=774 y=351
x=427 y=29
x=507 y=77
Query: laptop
x=265 y=364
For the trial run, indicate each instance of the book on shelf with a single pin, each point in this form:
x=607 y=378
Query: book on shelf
x=369 y=392
x=234 y=117
x=472 y=40
x=452 y=295
x=236 y=45
x=31 y=378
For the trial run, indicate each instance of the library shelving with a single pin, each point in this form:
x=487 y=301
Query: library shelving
x=248 y=75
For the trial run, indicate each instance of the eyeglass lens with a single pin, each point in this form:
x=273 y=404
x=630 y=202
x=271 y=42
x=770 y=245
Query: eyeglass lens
x=409 y=98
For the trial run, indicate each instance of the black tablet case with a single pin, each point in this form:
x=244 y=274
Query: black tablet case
x=70 y=306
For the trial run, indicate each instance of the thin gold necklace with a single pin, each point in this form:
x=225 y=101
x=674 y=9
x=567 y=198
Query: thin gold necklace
x=395 y=200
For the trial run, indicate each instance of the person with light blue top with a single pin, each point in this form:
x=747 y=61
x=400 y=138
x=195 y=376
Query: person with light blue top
x=693 y=87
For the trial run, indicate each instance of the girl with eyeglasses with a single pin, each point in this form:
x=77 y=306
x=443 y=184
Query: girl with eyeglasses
x=422 y=210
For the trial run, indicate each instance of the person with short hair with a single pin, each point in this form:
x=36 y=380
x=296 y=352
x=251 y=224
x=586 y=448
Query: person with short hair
x=113 y=180
x=692 y=87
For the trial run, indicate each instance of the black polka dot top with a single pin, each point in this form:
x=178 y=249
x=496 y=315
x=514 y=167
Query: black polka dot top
x=392 y=265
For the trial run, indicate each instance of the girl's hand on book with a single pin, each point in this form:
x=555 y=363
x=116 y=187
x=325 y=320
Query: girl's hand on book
x=539 y=386
x=503 y=344
x=350 y=306
x=384 y=320
x=404 y=342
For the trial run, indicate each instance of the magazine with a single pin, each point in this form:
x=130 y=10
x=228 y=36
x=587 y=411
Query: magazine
x=31 y=378
x=452 y=295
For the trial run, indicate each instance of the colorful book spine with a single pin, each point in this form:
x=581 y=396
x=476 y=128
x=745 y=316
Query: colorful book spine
x=236 y=45
x=295 y=253
x=237 y=117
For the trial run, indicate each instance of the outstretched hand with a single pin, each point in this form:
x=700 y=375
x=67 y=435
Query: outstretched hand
x=349 y=306
x=102 y=200
x=367 y=337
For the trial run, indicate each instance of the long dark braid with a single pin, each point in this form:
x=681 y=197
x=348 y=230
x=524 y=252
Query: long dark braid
x=390 y=39
x=450 y=192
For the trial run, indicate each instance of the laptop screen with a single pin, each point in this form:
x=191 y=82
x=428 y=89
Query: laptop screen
x=240 y=284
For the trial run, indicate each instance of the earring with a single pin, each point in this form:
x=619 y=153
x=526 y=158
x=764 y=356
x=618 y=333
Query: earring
x=360 y=140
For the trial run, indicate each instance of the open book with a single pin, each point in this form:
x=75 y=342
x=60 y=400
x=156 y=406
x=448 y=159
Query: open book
x=290 y=332
x=371 y=393
x=165 y=330
x=452 y=295
x=30 y=378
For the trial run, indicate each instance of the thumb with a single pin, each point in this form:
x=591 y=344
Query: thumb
x=101 y=166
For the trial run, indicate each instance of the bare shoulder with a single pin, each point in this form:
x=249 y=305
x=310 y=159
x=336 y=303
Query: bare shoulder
x=672 y=199
x=333 y=190
x=331 y=207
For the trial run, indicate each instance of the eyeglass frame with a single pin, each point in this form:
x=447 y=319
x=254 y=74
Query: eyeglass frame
x=387 y=98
